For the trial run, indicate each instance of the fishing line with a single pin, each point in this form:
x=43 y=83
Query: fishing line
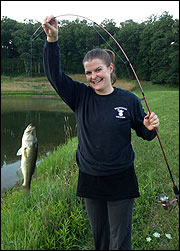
x=124 y=62
x=31 y=57
x=37 y=34
x=31 y=40
x=176 y=191
x=109 y=45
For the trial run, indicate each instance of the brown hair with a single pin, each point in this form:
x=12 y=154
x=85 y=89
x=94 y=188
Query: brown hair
x=107 y=56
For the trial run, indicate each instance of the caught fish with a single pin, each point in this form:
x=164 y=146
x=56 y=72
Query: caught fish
x=28 y=152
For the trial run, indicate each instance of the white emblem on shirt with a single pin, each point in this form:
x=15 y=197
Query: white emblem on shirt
x=120 y=111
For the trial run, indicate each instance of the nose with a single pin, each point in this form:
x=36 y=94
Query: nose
x=93 y=75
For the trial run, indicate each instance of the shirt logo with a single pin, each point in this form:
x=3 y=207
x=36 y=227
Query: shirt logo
x=120 y=111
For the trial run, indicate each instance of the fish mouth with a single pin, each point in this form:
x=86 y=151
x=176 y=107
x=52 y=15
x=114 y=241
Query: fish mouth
x=30 y=127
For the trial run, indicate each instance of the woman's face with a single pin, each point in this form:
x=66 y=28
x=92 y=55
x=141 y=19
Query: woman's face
x=98 y=76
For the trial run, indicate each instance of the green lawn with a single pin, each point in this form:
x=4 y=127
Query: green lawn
x=153 y=175
x=54 y=218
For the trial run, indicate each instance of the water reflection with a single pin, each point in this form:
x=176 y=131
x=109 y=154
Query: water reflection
x=49 y=129
x=48 y=116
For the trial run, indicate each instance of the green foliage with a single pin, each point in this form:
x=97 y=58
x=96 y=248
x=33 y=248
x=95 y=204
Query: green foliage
x=151 y=46
x=76 y=38
x=159 y=53
x=128 y=37
x=161 y=48
x=8 y=47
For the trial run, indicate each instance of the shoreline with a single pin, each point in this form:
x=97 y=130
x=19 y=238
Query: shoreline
x=39 y=87
x=31 y=95
x=70 y=144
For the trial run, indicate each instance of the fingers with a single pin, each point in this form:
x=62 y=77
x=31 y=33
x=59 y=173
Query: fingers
x=49 y=22
x=153 y=119
x=50 y=26
x=49 y=19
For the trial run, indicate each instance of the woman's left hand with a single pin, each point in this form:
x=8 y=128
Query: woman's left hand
x=151 y=121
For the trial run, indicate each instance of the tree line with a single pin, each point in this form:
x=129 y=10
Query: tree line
x=151 y=46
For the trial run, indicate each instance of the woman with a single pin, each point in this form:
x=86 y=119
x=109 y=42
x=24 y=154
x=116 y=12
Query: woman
x=105 y=116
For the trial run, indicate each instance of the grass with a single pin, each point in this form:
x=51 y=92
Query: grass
x=153 y=175
x=53 y=218
x=29 y=86
x=25 y=86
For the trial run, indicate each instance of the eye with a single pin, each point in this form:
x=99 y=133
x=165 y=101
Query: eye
x=98 y=69
x=88 y=73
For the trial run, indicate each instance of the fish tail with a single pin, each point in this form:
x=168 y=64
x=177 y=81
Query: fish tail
x=27 y=193
x=27 y=190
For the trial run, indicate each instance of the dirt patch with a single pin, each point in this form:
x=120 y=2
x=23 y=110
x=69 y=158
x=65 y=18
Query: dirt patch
x=42 y=86
x=125 y=85
x=44 y=96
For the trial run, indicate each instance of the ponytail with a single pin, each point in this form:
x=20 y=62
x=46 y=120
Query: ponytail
x=112 y=56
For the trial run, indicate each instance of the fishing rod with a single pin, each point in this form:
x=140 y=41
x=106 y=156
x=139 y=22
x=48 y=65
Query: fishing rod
x=175 y=189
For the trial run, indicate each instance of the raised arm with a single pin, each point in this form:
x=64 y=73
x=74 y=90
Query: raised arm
x=69 y=90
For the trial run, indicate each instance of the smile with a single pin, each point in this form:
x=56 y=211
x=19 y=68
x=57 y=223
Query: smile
x=97 y=81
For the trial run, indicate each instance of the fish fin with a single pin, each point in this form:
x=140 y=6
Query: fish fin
x=19 y=152
x=19 y=173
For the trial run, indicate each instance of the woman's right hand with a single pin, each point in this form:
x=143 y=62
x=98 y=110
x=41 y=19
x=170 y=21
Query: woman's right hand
x=50 y=26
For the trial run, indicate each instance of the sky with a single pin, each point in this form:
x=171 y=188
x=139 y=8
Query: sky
x=97 y=11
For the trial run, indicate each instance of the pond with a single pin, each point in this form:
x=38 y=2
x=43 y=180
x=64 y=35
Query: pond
x=50 y=116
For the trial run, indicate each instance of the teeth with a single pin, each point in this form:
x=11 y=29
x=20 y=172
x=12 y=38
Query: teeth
x=96 y=82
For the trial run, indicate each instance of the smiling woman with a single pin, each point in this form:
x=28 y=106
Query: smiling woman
x=98 y=76
x=105 y=157
x=99 y=70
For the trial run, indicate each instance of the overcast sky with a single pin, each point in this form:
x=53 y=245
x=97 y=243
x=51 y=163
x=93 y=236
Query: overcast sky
x=97 y=11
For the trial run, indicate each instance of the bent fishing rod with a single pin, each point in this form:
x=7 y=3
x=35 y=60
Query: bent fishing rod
x=175 y=189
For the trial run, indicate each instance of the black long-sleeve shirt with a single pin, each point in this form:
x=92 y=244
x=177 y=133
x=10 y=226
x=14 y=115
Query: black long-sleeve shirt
x=104 y=122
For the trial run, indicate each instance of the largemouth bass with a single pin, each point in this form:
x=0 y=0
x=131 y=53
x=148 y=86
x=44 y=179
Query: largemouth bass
x=28 y=152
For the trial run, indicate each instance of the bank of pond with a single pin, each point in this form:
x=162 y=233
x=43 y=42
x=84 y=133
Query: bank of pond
x=54 y=123
x=54 y=218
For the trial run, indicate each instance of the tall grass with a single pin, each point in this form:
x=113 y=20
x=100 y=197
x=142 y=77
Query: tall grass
x=53 y=218
x=153 y=175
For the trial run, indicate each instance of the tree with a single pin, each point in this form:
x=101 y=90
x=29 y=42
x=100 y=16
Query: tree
x=8 y=48
x=76 y=38
x=152 y=46
x=144 y=55
x=128 y=36
x=162 y=51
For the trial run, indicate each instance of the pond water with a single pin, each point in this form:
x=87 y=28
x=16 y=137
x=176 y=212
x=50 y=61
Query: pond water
x=47 y=114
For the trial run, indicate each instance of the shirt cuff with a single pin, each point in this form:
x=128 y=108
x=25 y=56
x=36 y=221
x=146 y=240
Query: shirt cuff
x=148 y=134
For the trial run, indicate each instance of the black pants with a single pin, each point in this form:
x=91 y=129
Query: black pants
x=111 y=223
